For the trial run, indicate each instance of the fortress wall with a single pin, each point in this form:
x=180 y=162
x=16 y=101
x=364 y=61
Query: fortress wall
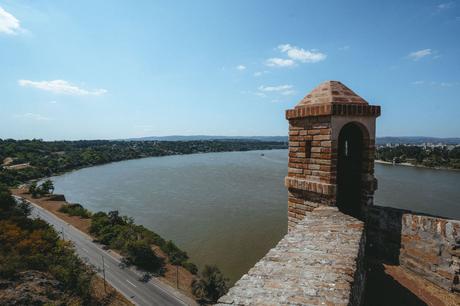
x=320 y=261
x=426 y=245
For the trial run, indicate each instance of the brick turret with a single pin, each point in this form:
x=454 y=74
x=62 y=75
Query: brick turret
x=331 y=152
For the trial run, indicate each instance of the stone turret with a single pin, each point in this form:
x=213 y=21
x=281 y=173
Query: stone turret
x=331 y=152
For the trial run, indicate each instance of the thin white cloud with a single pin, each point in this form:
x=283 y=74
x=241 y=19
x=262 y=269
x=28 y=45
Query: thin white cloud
x=418 y=82
x=301 y=55
x=8 y=23
x=284 y=90
x=445 y=6
x=344 y=48
x=61 y=87
x=416 y=55
x=241 y=67
x=260 y=73
x=279 y=62
x=275 y=88
x=32 y=116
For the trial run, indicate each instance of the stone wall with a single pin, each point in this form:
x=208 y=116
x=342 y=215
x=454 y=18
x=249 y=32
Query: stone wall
x=320 y=261
x=426 y=245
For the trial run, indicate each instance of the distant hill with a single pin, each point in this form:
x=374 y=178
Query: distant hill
x=210 y=137
x=380 y=140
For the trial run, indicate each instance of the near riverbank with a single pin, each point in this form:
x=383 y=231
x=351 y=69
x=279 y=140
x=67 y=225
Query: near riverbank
x=174 y=276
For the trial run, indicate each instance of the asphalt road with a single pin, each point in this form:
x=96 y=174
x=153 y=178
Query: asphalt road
x=126 y=280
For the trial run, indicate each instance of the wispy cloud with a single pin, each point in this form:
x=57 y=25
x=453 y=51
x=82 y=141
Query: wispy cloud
x=241 y=67
x=280 y=89
x=295 y=55
x=32 y=116
x=260 y=73
x=8 y=23
x=344 y=48
x=279 y=62
x=417 y=55
x=436 y=83
x=445 y=6
x=61 y=87
x=301 y=55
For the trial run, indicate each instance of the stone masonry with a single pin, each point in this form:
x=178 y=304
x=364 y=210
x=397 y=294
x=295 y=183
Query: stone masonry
x=319 y=262
x=426 y=245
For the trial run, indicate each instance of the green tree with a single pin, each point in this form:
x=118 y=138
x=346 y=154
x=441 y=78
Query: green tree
x=140 y=253
x=210 y=286
x=47 y=187
x=33 y=190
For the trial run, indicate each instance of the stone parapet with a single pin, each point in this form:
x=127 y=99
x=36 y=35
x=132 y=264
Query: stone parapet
x=426 y=245
x=319 y=262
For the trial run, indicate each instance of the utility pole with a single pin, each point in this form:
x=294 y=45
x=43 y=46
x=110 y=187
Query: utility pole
x=103 y=273
x=177 y=276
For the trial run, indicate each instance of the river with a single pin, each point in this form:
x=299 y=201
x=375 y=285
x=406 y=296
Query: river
x=230 y=208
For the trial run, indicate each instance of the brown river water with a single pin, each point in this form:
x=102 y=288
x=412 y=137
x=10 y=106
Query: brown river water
x=230 y=208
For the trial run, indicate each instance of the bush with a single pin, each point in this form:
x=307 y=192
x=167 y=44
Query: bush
x=191 y=267
x=32 y=244
x=210 y=286
x=140 y=253
x=75 y=210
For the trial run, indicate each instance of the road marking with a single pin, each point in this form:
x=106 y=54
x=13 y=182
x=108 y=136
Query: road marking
x=85 y=250
x=131 y=283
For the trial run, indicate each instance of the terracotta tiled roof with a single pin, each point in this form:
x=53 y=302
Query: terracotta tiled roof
x=331 y=92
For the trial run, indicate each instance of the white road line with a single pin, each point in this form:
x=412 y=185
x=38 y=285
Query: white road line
x=131 y=283
x=85 y=250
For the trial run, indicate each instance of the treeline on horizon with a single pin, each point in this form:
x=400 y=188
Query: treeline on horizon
x=46 y=158
x=432 y=157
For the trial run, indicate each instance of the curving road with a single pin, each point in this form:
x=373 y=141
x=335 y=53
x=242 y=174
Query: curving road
x=126 y=280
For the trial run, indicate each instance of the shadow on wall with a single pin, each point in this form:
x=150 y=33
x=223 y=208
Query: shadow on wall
x=427 y=245
x=383 y=290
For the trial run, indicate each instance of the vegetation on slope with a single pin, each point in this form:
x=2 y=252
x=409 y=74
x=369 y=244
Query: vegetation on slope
x=33 y=245
x=420 y=156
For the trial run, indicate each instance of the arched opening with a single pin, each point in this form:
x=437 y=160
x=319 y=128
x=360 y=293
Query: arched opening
x=349 y=169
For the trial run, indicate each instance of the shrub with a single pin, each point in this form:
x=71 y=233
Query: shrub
x=75 y=210
x=210 y=286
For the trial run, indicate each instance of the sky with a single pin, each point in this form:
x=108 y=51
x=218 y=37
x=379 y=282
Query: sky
x=120 y=69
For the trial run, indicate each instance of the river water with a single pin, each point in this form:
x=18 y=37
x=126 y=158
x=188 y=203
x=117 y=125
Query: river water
x=230 y=208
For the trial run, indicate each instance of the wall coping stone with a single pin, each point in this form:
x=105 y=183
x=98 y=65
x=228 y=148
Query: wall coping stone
x=315 y=263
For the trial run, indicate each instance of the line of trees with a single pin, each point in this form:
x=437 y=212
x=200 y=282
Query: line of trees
x=52 y=157
x=418 y=155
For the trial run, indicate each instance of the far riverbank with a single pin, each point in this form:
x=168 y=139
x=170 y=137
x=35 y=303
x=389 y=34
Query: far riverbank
x=378 y=161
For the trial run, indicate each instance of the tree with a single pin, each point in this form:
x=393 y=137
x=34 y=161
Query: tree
x=211 y=285
x=7 y=202
x=114 y=217
x=47 y=187
x=140 y=253
x=33 y=190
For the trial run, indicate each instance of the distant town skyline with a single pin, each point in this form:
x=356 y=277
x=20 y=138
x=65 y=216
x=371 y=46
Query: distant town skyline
x=90 y=70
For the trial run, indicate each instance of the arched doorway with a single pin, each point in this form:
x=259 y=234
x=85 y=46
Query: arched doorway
x=349 y=169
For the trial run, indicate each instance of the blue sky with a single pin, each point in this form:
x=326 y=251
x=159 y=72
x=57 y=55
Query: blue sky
x=99 y=69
